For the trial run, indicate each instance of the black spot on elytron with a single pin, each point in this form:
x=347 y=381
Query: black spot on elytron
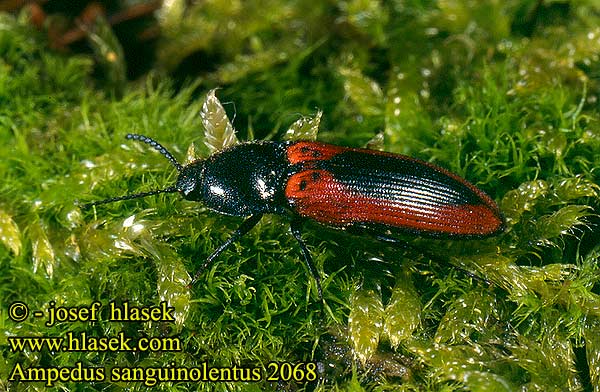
x=313 y=153
x=316 y=176
x=303 y=185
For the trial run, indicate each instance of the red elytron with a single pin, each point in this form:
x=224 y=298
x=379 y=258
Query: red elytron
x=347 y=187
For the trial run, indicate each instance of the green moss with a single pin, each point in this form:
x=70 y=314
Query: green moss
x=502 y=93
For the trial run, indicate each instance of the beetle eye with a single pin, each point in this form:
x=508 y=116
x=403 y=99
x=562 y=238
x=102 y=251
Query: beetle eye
x=189 y=182
x=187 y=187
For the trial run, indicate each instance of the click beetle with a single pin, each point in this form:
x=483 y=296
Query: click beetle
x=345 y=188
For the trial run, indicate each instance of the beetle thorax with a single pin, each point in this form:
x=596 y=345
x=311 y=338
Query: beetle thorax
x=243 y=180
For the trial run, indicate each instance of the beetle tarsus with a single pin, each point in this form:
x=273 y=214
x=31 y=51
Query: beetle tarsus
x=244 y=228
x=295 y=226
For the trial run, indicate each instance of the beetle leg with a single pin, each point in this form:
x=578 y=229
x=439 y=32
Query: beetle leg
x=295 y=226
x=244 y=228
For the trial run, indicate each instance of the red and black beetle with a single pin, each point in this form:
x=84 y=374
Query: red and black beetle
x=346 y=188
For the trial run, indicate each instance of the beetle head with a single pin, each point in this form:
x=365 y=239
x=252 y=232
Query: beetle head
x=189 y=182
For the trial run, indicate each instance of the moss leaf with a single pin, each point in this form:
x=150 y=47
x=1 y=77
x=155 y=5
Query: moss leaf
x=219 y=131
x=469 y=317
x=403 y=312
x=367 y=16
x=363 y=91
x=561 y=222
x=474 y=365
x=549 y=360
x=592 y=348
x=365 y=322
x=173 y=279
x=407 y=122
x=574 y=188
x=10 y=235
x=376 y=142
x=522 y=199
x=43 y=256
x=305 y=128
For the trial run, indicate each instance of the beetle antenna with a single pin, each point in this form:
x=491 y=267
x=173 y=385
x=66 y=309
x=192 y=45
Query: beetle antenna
x=170 y=189
x=157 y=146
